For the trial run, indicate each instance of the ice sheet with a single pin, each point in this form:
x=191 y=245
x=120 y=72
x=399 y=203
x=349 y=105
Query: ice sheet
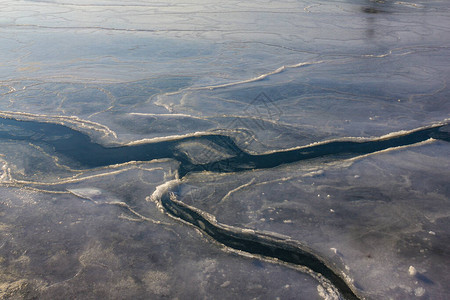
x=317 y=128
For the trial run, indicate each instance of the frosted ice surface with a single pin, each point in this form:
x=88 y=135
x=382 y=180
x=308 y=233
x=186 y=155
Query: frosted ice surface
x=104 y=101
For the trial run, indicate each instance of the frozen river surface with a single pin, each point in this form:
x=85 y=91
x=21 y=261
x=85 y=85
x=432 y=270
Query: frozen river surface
x=224 y=150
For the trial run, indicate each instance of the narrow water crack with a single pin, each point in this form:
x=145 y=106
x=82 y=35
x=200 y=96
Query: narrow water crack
x=256 y=243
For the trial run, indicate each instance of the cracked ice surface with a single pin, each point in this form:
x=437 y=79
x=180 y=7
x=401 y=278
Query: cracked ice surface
x=270 y=74
x=374 y=217
x=95 y=236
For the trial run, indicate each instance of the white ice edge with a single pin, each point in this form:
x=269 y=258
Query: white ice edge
x=160 y=190
x=104 y=172
x=62 y=120
x=176 y=115
x=253 y=79
x=169 y=138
